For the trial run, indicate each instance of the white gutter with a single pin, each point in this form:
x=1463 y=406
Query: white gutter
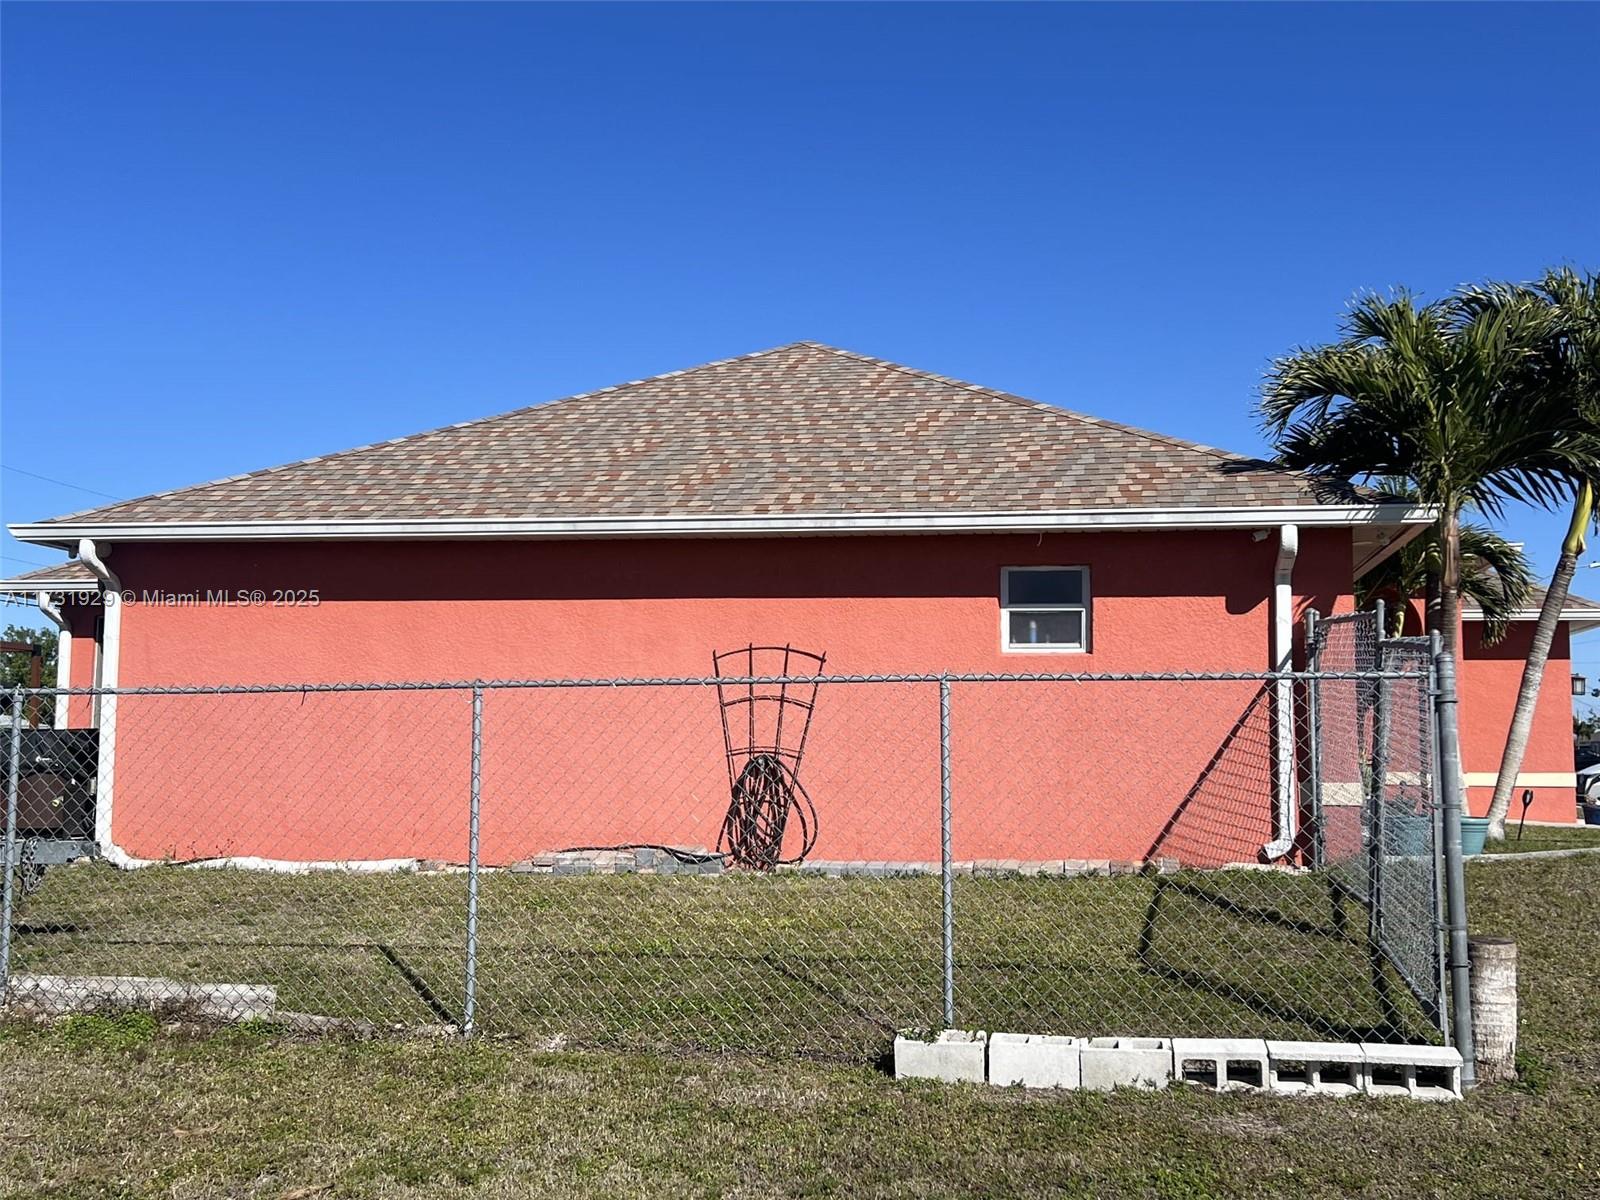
x=31 y=587
x=1283 y=660
x=1581 y=619
x=62 y=533
x=63 y=655
x=109 y=662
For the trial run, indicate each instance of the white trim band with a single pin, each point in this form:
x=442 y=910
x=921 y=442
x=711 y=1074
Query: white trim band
x=1542 y=779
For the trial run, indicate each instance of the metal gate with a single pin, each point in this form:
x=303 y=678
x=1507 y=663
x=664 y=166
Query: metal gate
x=1375 y=801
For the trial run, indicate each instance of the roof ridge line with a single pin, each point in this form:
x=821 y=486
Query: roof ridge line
x=500 y=416
x=1037 y=405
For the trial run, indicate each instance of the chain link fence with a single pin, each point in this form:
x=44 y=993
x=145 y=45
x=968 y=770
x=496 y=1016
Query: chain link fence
x=774 y=862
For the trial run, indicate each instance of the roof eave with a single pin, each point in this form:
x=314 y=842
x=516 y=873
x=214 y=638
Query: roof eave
x=1581 y=619
x=32 y=587
x=67 y=533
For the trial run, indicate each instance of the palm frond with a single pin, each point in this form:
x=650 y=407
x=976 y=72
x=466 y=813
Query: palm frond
x=1495 y=575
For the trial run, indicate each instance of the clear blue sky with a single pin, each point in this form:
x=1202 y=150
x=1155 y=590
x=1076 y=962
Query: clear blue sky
x=237 y=235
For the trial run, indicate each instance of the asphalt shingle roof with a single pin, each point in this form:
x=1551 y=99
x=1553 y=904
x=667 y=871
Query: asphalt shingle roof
x=804 y=429
x=1574 y=603
x=70 y=572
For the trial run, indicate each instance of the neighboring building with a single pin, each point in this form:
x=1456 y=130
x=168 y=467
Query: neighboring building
x=895 y=519
x=1490 y=679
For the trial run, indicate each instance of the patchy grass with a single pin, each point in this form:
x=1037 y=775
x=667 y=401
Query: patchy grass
x=1546 y=837
x=819 y=966
x=105 y=1108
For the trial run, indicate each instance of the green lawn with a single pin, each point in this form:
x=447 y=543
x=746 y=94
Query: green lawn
x=97 y=1107
x=817 y=966
x=1546 y=837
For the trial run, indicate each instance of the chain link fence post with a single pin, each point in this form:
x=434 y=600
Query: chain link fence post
x=1441 y=953
x=470 y=1003
x=946 y=867
x=1314 y=749
x=7 y=866
x=1455 y=872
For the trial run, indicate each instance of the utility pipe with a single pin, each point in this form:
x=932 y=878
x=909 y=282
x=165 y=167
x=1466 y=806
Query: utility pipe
x=106 y=677
x=63 y=655
x=1283 y=661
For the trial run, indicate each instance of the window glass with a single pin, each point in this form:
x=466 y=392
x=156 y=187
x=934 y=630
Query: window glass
x=1045 y=628
x=1044 y=587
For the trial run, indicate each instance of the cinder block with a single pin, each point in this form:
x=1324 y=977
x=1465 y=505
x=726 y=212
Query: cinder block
x=1223 y=1064
x=955 y=1056
x=1035 y=1060
x=1113 y=1062
x=1420 y=1072
x=1326 y=1068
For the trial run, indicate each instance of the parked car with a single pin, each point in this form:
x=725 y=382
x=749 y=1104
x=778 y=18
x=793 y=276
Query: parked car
x=1589 y=793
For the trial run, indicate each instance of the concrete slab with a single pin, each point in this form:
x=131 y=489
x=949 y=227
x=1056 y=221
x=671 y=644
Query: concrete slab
x=103 y=993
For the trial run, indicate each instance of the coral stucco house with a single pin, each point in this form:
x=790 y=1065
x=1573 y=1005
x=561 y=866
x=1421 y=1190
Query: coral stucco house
x=898 y=520
x=1489 y=679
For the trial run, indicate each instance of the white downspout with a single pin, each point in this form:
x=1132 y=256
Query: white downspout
x=110 y=659
x=1283 y=660
x=63 y=655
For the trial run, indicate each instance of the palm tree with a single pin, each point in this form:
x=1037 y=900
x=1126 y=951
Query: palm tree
x=1433 y=395
x=1570 y=373
x=1495 y=576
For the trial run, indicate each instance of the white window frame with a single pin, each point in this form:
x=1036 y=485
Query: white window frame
x=1009 y=647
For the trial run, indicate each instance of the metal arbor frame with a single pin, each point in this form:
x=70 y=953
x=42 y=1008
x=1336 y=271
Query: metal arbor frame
x=764 y=785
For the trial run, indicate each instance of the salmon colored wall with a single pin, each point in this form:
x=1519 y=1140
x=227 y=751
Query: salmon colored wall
x=1490 y=677
x=1101 y=770
x=81 y=611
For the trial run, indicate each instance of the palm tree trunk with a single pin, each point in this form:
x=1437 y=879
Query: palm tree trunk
x=1555 y=599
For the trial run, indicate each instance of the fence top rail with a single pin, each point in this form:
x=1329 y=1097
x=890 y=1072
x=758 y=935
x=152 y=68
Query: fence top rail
x=1360 y=614
x=708 y=681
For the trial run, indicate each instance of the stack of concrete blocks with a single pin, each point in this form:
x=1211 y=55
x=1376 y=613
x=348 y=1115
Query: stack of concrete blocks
x=1373 y=1069
x=1221 y=1064
x=641 y=860
x=955 y=1056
